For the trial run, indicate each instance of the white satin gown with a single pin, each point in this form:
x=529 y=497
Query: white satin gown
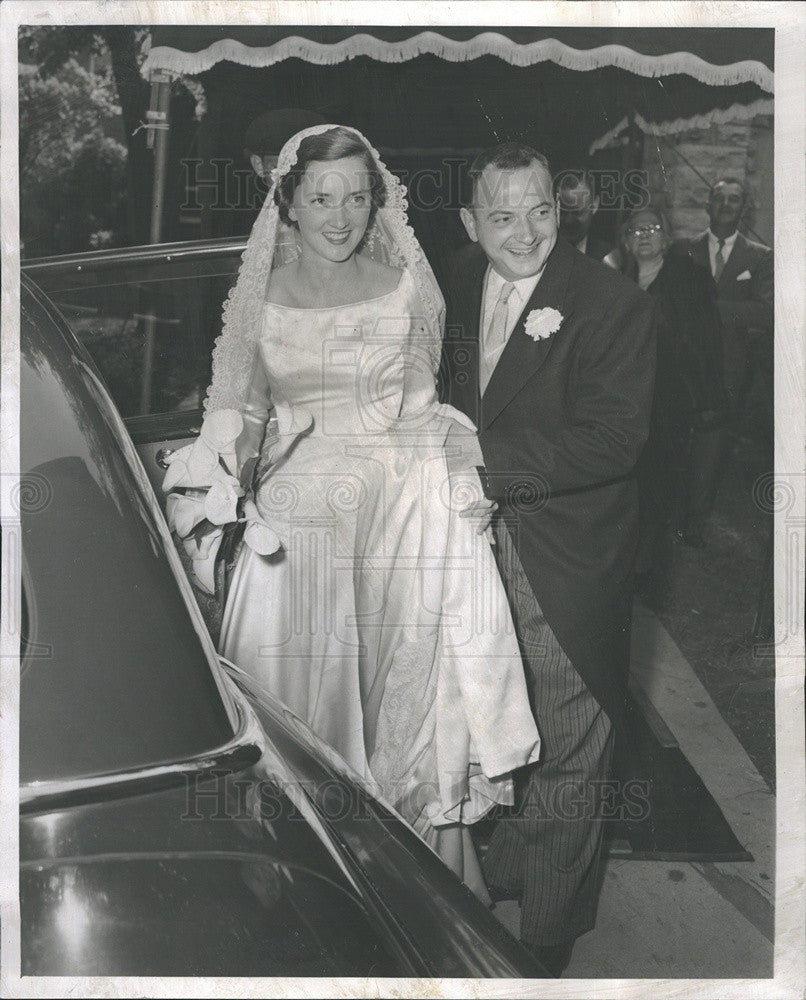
x=382 y=622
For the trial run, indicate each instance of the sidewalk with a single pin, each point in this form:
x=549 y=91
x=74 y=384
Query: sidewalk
x=680 y=920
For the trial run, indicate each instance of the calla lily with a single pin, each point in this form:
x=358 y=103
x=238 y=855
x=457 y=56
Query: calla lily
x=221 y=502
x=250 y=511
x=193 y=465
x=180 y=455
x=206 y=470
x=258 y=535
x=291 y=422
x=199 y=544
x=209 y=542
x=191 y=546
x=183 y=513
x=176 y=475
x=261 y=539
x=204 y=571
x=201 y=463
x=220 y=429
x=220 y=475
x=202 y=547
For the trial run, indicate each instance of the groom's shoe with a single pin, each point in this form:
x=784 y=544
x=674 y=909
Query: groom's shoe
x=554 y=957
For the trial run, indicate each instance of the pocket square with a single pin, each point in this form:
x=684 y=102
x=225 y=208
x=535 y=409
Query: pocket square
x=744 y=276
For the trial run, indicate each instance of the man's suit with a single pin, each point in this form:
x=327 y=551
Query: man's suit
x=561 y=425
x=597 y=248
x=745 y=308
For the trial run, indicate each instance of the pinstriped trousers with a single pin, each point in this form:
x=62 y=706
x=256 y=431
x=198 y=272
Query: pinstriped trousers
x=548 y=849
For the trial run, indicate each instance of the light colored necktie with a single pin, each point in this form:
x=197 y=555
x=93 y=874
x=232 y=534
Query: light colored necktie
x=719 y=261
x=496 y=335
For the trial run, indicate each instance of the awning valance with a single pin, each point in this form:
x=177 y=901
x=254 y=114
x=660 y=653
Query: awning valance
x=715 y=56
x=716 y=116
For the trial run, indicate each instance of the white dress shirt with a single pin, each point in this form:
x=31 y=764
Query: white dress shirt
x=713 y=248
x=515 y=305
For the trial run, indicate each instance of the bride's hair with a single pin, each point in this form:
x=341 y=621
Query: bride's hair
x=336 y=144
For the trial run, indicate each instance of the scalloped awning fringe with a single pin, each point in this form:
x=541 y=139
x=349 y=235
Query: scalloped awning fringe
x=718 y=116
x=487 y=43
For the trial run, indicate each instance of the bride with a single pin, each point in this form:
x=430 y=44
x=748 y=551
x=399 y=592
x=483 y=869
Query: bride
x=381 y=620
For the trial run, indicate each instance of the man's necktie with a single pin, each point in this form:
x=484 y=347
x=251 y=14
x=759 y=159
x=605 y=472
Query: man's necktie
x=496 y=333
x=719 y=261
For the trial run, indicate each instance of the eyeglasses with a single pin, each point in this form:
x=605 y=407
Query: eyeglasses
x=646 y=230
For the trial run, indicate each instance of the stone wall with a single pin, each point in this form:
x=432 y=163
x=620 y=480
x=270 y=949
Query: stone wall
x=741 y=149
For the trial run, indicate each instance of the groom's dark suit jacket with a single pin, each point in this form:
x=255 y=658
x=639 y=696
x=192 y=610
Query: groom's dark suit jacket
x=561 y=425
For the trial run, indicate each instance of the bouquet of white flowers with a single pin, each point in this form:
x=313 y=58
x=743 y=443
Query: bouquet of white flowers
x=211 y=502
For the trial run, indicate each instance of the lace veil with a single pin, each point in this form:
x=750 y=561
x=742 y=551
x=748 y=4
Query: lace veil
x=390 y=239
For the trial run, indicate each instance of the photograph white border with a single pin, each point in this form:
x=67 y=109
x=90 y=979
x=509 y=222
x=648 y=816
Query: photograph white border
x=789 y=20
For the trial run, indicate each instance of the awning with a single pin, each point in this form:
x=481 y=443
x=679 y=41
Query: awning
x=430 y=98
x=714 y=56
x=716 y=116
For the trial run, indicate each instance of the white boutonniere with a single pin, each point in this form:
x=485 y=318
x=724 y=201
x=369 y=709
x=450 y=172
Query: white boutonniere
x=541 y=323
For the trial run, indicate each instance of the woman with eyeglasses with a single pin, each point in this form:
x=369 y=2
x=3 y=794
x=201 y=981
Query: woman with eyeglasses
x=677 y=471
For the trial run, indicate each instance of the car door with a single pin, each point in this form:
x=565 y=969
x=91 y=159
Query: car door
x=149 y=317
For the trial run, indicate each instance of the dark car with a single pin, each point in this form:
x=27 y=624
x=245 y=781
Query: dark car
x=174 y=820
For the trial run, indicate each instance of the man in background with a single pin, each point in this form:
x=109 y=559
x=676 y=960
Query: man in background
x=578 y=206
x=269 y=132
x=743 y=272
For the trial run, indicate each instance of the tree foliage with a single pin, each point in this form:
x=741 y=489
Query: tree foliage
x=72 y=173
x=70 y=131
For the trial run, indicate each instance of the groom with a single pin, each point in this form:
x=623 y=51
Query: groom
x=552 y=355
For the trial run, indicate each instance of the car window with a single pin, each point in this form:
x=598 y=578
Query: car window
x=149 y=323
x=116 y=672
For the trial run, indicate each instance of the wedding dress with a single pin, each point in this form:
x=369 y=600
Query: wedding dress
x=381 y=621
